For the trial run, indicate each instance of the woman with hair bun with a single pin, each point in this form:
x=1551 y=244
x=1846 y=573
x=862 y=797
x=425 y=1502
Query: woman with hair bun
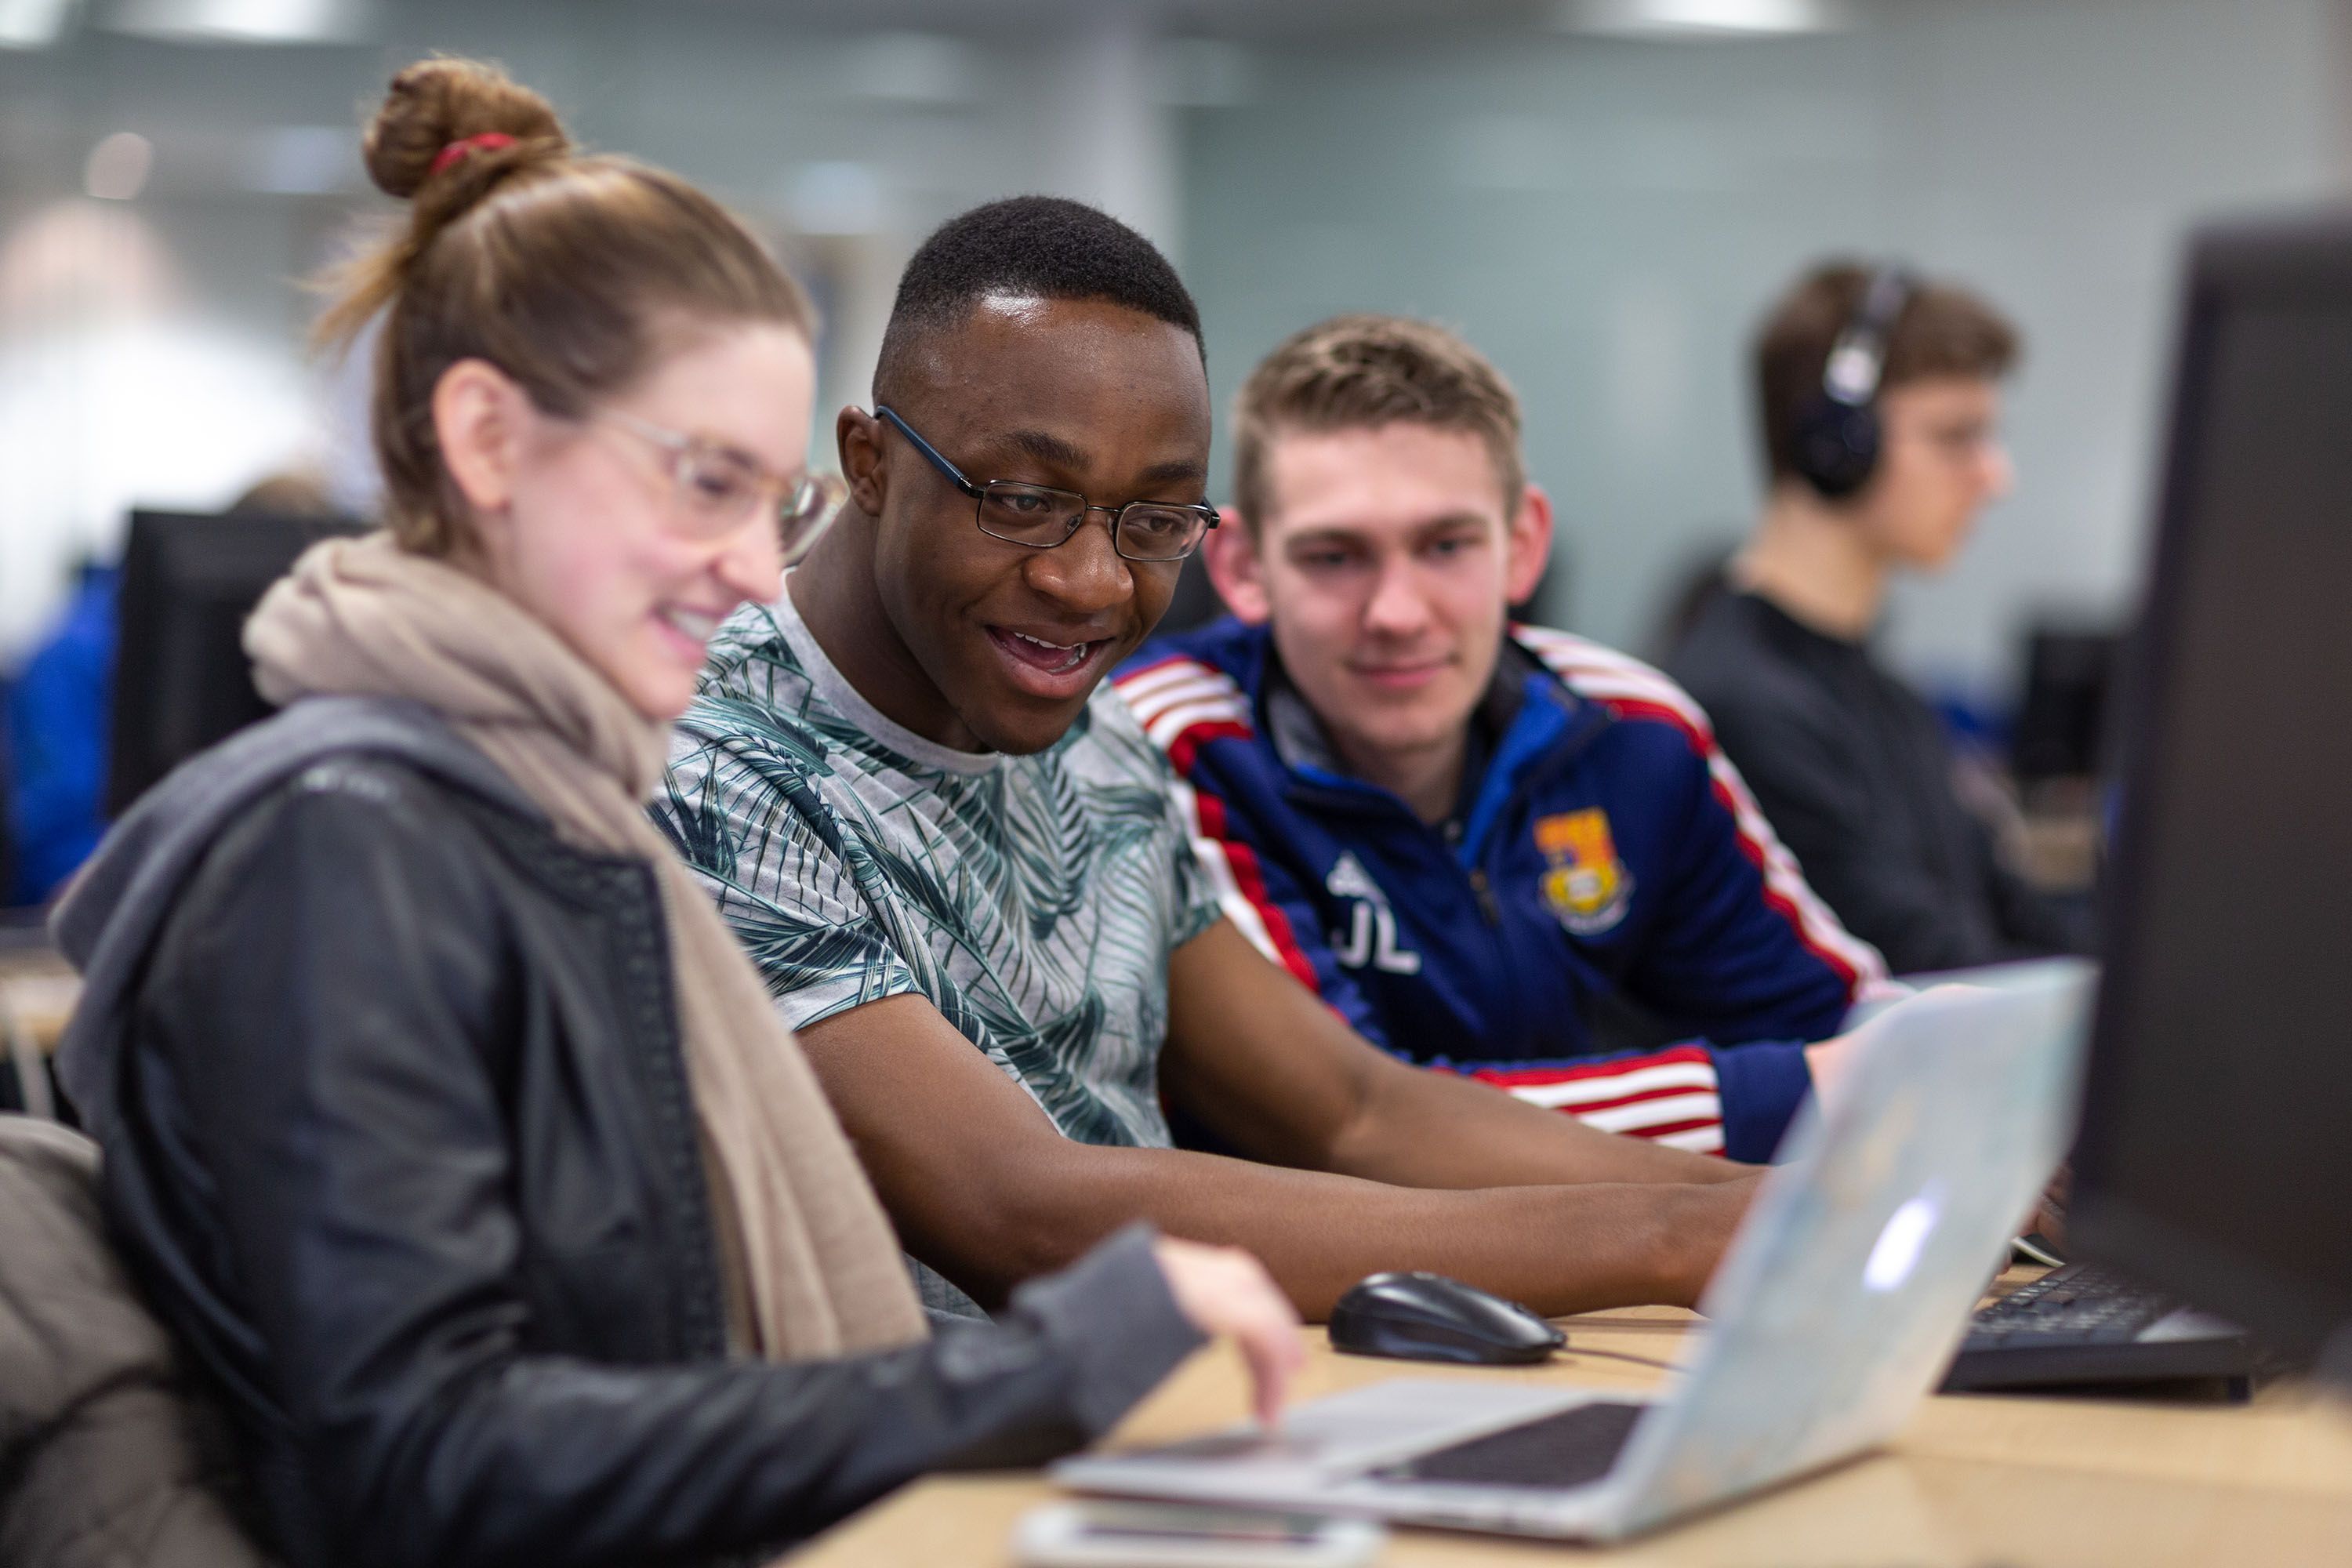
x=443 y=1119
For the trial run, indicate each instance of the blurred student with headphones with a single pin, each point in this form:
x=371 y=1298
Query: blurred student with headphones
x=1880 y=402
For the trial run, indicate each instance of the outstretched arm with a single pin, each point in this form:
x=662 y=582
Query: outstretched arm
x=1283 y=1080
x=985 y=1189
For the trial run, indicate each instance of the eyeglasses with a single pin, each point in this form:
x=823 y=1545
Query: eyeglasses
x=720 y=488
x=1041 y=517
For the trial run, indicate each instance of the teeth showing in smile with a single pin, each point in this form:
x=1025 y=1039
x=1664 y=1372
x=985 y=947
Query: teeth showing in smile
x=698 y=627
x=1075 y=654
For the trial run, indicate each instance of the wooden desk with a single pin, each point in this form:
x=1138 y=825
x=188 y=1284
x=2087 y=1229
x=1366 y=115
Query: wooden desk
x=1976 y=1482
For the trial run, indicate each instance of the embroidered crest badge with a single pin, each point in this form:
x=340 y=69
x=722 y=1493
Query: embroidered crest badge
x=1586 y=886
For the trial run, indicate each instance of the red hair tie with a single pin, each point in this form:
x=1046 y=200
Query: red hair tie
x=488 y=142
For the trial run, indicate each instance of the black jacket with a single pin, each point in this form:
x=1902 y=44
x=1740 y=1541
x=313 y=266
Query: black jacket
x=401 y=1142
x=1853 y=772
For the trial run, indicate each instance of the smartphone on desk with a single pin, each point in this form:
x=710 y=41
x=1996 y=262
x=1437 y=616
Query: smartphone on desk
x=1168 y=1535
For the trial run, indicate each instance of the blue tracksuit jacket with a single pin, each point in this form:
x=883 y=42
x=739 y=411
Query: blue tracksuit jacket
x=1610 y=848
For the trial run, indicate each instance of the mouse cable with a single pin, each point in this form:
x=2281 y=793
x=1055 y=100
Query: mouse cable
x=1622 y=1355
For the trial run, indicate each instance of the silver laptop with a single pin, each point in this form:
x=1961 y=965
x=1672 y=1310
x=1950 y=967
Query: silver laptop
x=1836 y=1308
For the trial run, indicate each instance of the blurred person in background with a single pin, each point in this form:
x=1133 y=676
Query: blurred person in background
x=442 y=1118
x=61 y=711
x=966 y=871
x=1879 y=402
x=58 y=706
x=1480 y=842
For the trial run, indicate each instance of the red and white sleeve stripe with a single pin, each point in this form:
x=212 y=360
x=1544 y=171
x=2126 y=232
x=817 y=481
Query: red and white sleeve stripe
x=1183 y=703
x=1669 y=1096
x=1631 y=689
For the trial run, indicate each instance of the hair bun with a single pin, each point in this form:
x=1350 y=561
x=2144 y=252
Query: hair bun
x=435 y=102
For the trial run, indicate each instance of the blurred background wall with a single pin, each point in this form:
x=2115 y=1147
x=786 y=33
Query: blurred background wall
x=1602 y=193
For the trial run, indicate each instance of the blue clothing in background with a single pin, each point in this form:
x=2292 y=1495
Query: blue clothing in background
x=57 y=712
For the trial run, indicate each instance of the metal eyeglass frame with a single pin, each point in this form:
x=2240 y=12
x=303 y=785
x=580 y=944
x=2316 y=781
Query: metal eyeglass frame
x=979 y=494
x=823 y=493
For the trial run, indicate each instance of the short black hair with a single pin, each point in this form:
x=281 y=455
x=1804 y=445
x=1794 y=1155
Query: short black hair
x=1039 y=248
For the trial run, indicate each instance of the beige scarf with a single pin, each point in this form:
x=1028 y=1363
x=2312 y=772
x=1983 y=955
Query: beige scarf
x=811 y=1259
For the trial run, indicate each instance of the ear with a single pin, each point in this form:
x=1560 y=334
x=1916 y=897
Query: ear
x=1229 y=553
x=857 y=436
x=480 y=420
x=1528 y=548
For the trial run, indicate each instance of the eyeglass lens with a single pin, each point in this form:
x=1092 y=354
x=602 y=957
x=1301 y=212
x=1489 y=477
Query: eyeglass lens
x=1036 y=515
x=717 y=486
x=720 y=488
x=807 y=511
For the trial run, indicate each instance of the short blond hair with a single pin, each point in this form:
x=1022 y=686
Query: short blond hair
x=1361 y=372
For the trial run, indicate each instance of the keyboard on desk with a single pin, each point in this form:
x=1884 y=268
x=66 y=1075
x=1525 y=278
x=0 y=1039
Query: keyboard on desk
x=2079 y=1324
x=1568 y=1449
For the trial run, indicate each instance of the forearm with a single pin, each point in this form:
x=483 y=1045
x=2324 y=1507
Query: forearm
x=1424 y=1129
x=1282 y=1080
x=538 y=1458
x=1558 y=1249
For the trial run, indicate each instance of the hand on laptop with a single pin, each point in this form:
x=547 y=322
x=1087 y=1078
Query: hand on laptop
x=1224 y=1291
x=1828 y=1059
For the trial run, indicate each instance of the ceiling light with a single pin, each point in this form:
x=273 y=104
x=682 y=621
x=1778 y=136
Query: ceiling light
x=1702 y=19
x=248 y=21
x=118 y=167
x=32 y=24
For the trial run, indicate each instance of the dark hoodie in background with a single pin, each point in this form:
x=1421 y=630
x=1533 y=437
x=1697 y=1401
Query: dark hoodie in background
x=1854 y=770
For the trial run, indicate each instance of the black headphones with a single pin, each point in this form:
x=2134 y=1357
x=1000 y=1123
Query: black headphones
x=1837 y=435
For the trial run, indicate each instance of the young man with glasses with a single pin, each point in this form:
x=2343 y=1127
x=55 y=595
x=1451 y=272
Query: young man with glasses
x=1493 y=848
x=967 y=876
x=1851 y=766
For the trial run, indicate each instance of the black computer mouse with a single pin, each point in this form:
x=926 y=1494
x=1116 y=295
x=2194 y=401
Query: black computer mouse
x=1427 y=1317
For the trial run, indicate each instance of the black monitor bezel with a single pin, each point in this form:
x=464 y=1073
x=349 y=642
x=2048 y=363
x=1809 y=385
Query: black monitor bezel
x=2282 y=259
x=163 y=552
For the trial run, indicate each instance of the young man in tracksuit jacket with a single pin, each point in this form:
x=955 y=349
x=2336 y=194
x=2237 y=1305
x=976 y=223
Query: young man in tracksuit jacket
x=1486 y=845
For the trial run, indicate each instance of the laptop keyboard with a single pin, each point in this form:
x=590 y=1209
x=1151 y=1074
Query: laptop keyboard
x=2075 y=1305
x=1563 y=1451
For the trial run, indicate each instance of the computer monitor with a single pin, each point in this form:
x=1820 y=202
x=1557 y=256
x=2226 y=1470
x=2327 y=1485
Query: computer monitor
x=2216 y=1155
x=181 y=677
x=2061 y=717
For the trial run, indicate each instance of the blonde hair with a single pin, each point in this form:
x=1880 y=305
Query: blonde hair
x=1358 y=371
x=559 y=267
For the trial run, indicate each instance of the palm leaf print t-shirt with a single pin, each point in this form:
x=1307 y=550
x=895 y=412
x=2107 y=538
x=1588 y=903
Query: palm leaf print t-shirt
x=1034 y=900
